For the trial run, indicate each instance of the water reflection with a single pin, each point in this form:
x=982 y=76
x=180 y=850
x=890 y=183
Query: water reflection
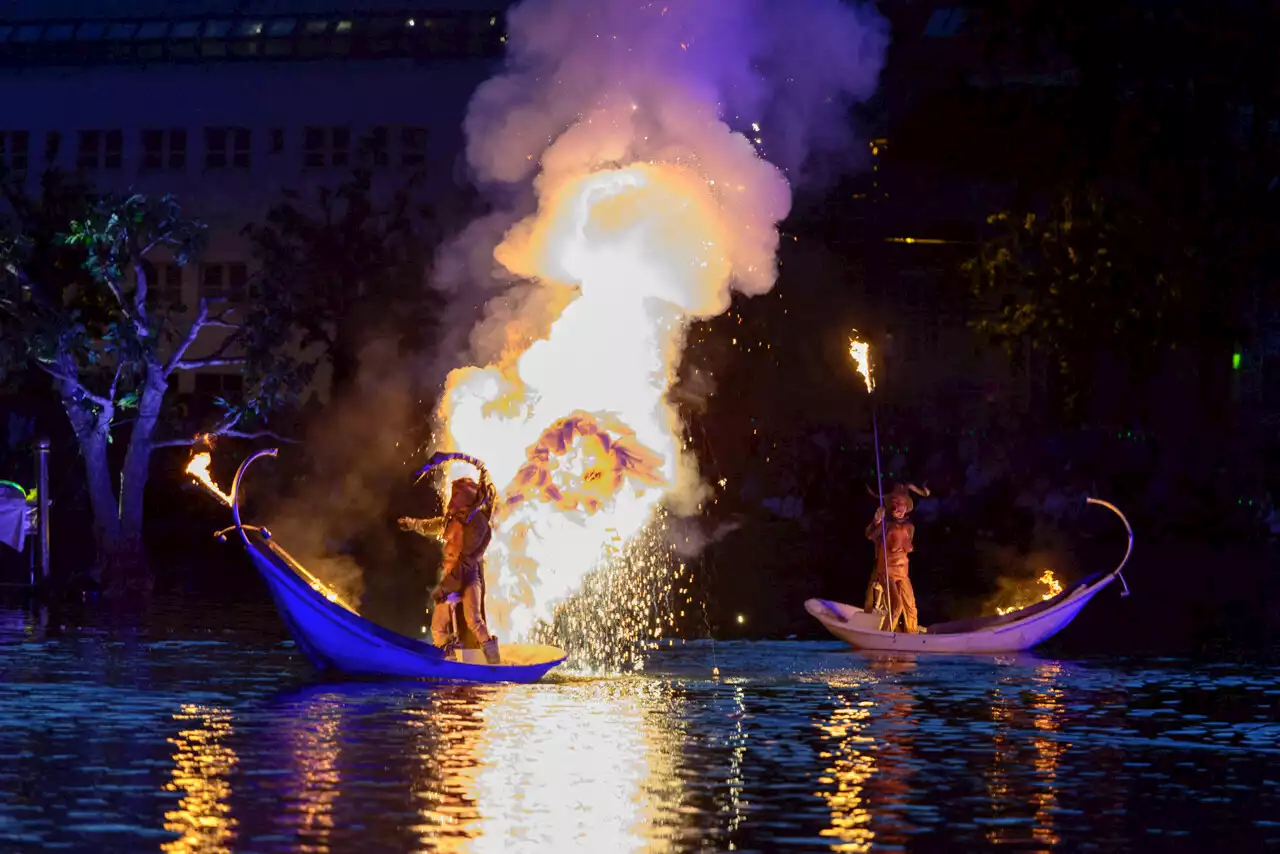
x=315 y=736
x=851 y=762
x=1046 y=699
x=446 y=738
x=202 y=762
x=582 y=767
x=870 y=737
x=1023 y=727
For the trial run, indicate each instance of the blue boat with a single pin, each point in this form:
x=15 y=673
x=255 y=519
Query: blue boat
x=334 y=637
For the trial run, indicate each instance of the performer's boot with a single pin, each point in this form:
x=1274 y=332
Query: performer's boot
x=491 y=655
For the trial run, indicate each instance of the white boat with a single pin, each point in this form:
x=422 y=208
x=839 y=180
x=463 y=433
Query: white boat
x=1012 y=632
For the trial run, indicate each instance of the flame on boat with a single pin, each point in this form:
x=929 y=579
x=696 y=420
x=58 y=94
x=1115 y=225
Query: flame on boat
x=198 y=468
x=1025 y=600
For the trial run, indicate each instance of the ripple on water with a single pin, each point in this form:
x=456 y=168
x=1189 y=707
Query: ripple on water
x=204 y=739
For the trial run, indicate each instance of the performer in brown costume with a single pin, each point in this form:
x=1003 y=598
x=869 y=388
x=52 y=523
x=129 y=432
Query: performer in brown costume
x=891 y=569
x=465 y=532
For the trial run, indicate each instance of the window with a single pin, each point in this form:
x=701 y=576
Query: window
x=122 y=31
x=313 y=147
x=226 y=386
x=52 y=147
x=14 y=145
x=113 y=155
x=166 y=286
x=91 y=32
x=215 y=148
x=413 y=146
x=98 y=149
x=153 y=30
x=223 y=281
x=374 y=149
x=275 y=141
x=340 y=137
x=164 y=149
x=227 y=146
x=237 y=280
x=326 y=147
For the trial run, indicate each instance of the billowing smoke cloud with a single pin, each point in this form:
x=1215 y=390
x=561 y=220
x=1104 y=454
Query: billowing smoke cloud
x=673 y=81
x=357 y=454
x=793 y=68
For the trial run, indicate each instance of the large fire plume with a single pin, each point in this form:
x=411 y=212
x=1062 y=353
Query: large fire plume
x=642 y=130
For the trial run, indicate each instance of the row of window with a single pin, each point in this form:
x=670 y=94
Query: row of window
x=459 y=34
x=217 y=281
x=224 y=148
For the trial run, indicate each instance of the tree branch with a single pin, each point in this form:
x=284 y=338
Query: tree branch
x=115 y=381
x=202 y=315
x=75 y=384
x=212 y=362
x=224 y=432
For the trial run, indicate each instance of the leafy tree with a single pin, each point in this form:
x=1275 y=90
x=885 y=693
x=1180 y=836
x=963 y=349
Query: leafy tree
x=346 y=265
x=1071 y=288
x=76 y=304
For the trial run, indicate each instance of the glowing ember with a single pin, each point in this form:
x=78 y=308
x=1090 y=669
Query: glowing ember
x=198 y=468
x=1053 y=588
x=860 y=352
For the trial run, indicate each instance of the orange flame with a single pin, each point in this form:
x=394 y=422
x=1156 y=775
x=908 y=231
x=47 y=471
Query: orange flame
x=198 y=468
x=1049 y=580
x=572 y=414
x=860 y=352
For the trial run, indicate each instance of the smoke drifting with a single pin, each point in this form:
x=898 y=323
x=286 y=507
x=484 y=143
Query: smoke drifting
x=358 y=453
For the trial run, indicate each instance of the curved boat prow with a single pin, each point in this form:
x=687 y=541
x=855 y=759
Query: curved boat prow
x=1013 y=632
x=334 y=636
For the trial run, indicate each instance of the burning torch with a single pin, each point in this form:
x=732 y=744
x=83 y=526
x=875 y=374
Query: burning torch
x=860 y=352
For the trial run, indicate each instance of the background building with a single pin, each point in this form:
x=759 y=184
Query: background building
x=228 y=104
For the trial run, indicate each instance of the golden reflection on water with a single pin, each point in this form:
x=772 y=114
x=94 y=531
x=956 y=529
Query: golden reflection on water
x=315 y=743
x=201 y=763
x=1008 y=788
x=851 y=762
x=1047 y=701
x=854 y=757
x=584 y=766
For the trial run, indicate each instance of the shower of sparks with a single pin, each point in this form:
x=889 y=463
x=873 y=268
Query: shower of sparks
x=198 y=468
x=860 y=352
x=630 y=603
x=1025 y=600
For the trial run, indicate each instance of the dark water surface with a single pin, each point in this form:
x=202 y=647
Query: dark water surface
x=207 y=732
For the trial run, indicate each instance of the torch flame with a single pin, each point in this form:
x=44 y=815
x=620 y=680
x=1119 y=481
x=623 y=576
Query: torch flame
x=198 y=468
x=1049 y=581
x=860 y=352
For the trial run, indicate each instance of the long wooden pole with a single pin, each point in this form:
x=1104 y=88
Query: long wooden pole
x=43 y=498
x=884 y=522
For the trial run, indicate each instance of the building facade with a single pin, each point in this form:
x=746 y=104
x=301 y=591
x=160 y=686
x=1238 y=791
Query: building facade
x=229 y=104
